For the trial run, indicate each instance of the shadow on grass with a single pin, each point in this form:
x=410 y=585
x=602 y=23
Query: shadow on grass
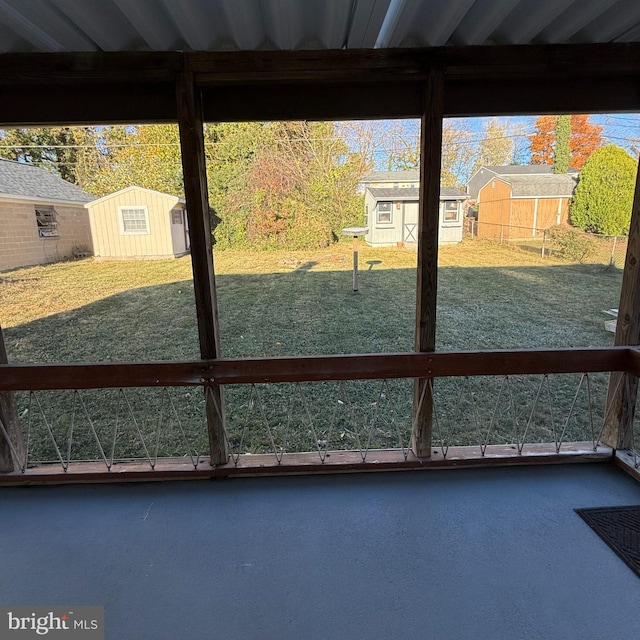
x=307 y=313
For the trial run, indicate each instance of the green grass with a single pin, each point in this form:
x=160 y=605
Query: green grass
x=289 y=303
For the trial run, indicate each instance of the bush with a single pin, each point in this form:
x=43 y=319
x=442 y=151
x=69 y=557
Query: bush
x=603 y=199
x=570 y=244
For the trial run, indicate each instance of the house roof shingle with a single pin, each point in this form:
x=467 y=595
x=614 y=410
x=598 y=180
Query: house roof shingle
x=524 y=169
x=22 y=179
x=553 y=184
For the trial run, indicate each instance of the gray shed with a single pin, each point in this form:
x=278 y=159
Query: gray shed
x=392 y=216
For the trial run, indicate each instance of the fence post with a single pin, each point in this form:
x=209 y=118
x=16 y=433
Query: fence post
x=544 y=241
x=612 y=260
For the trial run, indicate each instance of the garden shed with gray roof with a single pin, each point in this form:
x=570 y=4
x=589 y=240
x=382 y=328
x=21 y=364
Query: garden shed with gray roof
x=521 y=204
x=392 y=215
x=42 y=217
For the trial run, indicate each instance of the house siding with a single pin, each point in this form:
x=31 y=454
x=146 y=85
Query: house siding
x=111 y=242
x=21 y=245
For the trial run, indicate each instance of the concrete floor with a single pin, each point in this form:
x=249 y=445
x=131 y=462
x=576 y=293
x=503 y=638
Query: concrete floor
x=482 y=554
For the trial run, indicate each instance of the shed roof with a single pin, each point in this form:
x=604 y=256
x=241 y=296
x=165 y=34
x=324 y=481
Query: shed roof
x=524 y=169
x=26 y=181
x=135 y=187
x=410 y=193
x=548 y=185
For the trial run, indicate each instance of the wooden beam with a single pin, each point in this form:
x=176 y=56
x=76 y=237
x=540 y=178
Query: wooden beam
x=427 y=271
x=12 y=446
x=97 y=87
x=623 y=387
x=37 y=377
x=190 y=122
x=309 y=463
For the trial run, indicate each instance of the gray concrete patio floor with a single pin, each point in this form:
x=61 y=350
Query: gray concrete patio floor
x=485 y=553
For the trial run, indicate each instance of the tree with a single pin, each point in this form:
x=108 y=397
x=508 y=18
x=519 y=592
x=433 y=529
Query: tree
x=301 y=186
x=585 y=138
x=603 y=199
x=562 y=155
x=65 y=151
x=457 y=153
x=496 y=147
x=144 y=155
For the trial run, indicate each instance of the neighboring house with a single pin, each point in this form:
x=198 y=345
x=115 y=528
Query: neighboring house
x=389 y=180
x=517 y=202
x=392 y=215
x=139 y=223
x=42 y=217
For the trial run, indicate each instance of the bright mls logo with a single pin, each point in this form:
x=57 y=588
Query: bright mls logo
x=52 y=622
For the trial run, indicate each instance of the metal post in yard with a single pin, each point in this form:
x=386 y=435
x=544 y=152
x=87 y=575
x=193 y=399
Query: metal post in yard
x=612 y=260
x=544 y=240
x=355 y=232
x=501 y=233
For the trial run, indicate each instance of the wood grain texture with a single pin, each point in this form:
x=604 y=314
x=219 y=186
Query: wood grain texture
x=623 y=387
x=427 y=269
x=11 y=455
x=34 y=377
x=197 y=196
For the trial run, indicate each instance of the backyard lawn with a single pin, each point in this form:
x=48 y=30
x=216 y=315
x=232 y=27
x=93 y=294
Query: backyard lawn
x=289 y=303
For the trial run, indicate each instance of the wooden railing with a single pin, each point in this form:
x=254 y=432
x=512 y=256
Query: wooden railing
x=216 y=374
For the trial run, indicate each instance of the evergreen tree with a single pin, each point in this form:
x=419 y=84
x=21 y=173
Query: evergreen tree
x=562 y=155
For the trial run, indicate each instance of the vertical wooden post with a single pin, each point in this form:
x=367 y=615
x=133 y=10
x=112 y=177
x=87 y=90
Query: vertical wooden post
x=623 y=387
x=428 y=223
x=190 y=122
x=12 y=456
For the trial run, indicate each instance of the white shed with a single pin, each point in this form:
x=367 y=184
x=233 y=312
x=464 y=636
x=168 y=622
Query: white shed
x=139 y=223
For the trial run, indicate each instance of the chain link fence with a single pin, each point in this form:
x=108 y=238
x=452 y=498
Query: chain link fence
x=565 y=243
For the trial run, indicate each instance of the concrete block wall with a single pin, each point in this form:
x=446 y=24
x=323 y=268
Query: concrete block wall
x=21 y=245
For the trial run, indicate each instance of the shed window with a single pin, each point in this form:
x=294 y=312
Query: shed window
x=134 y=220
x=176 y=217
x=451 y=212
x=384 y=212
x=47 y=223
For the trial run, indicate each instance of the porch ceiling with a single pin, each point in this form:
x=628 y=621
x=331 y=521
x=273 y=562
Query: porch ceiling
x=230 y=25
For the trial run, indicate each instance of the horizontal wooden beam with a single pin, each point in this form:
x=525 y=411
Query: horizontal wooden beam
x=98 y=87
x=314 y=368
x=309 y=463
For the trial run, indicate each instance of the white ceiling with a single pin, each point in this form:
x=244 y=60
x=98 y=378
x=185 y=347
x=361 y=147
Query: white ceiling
x=227 y=25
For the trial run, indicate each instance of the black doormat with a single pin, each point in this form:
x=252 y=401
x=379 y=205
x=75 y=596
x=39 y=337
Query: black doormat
x=619 y=527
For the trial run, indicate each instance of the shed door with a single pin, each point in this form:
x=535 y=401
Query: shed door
x=410 y=222
x=187 y=238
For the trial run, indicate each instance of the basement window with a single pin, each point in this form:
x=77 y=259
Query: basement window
x=134 y=220
x=47 y=223
x=384 y=213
